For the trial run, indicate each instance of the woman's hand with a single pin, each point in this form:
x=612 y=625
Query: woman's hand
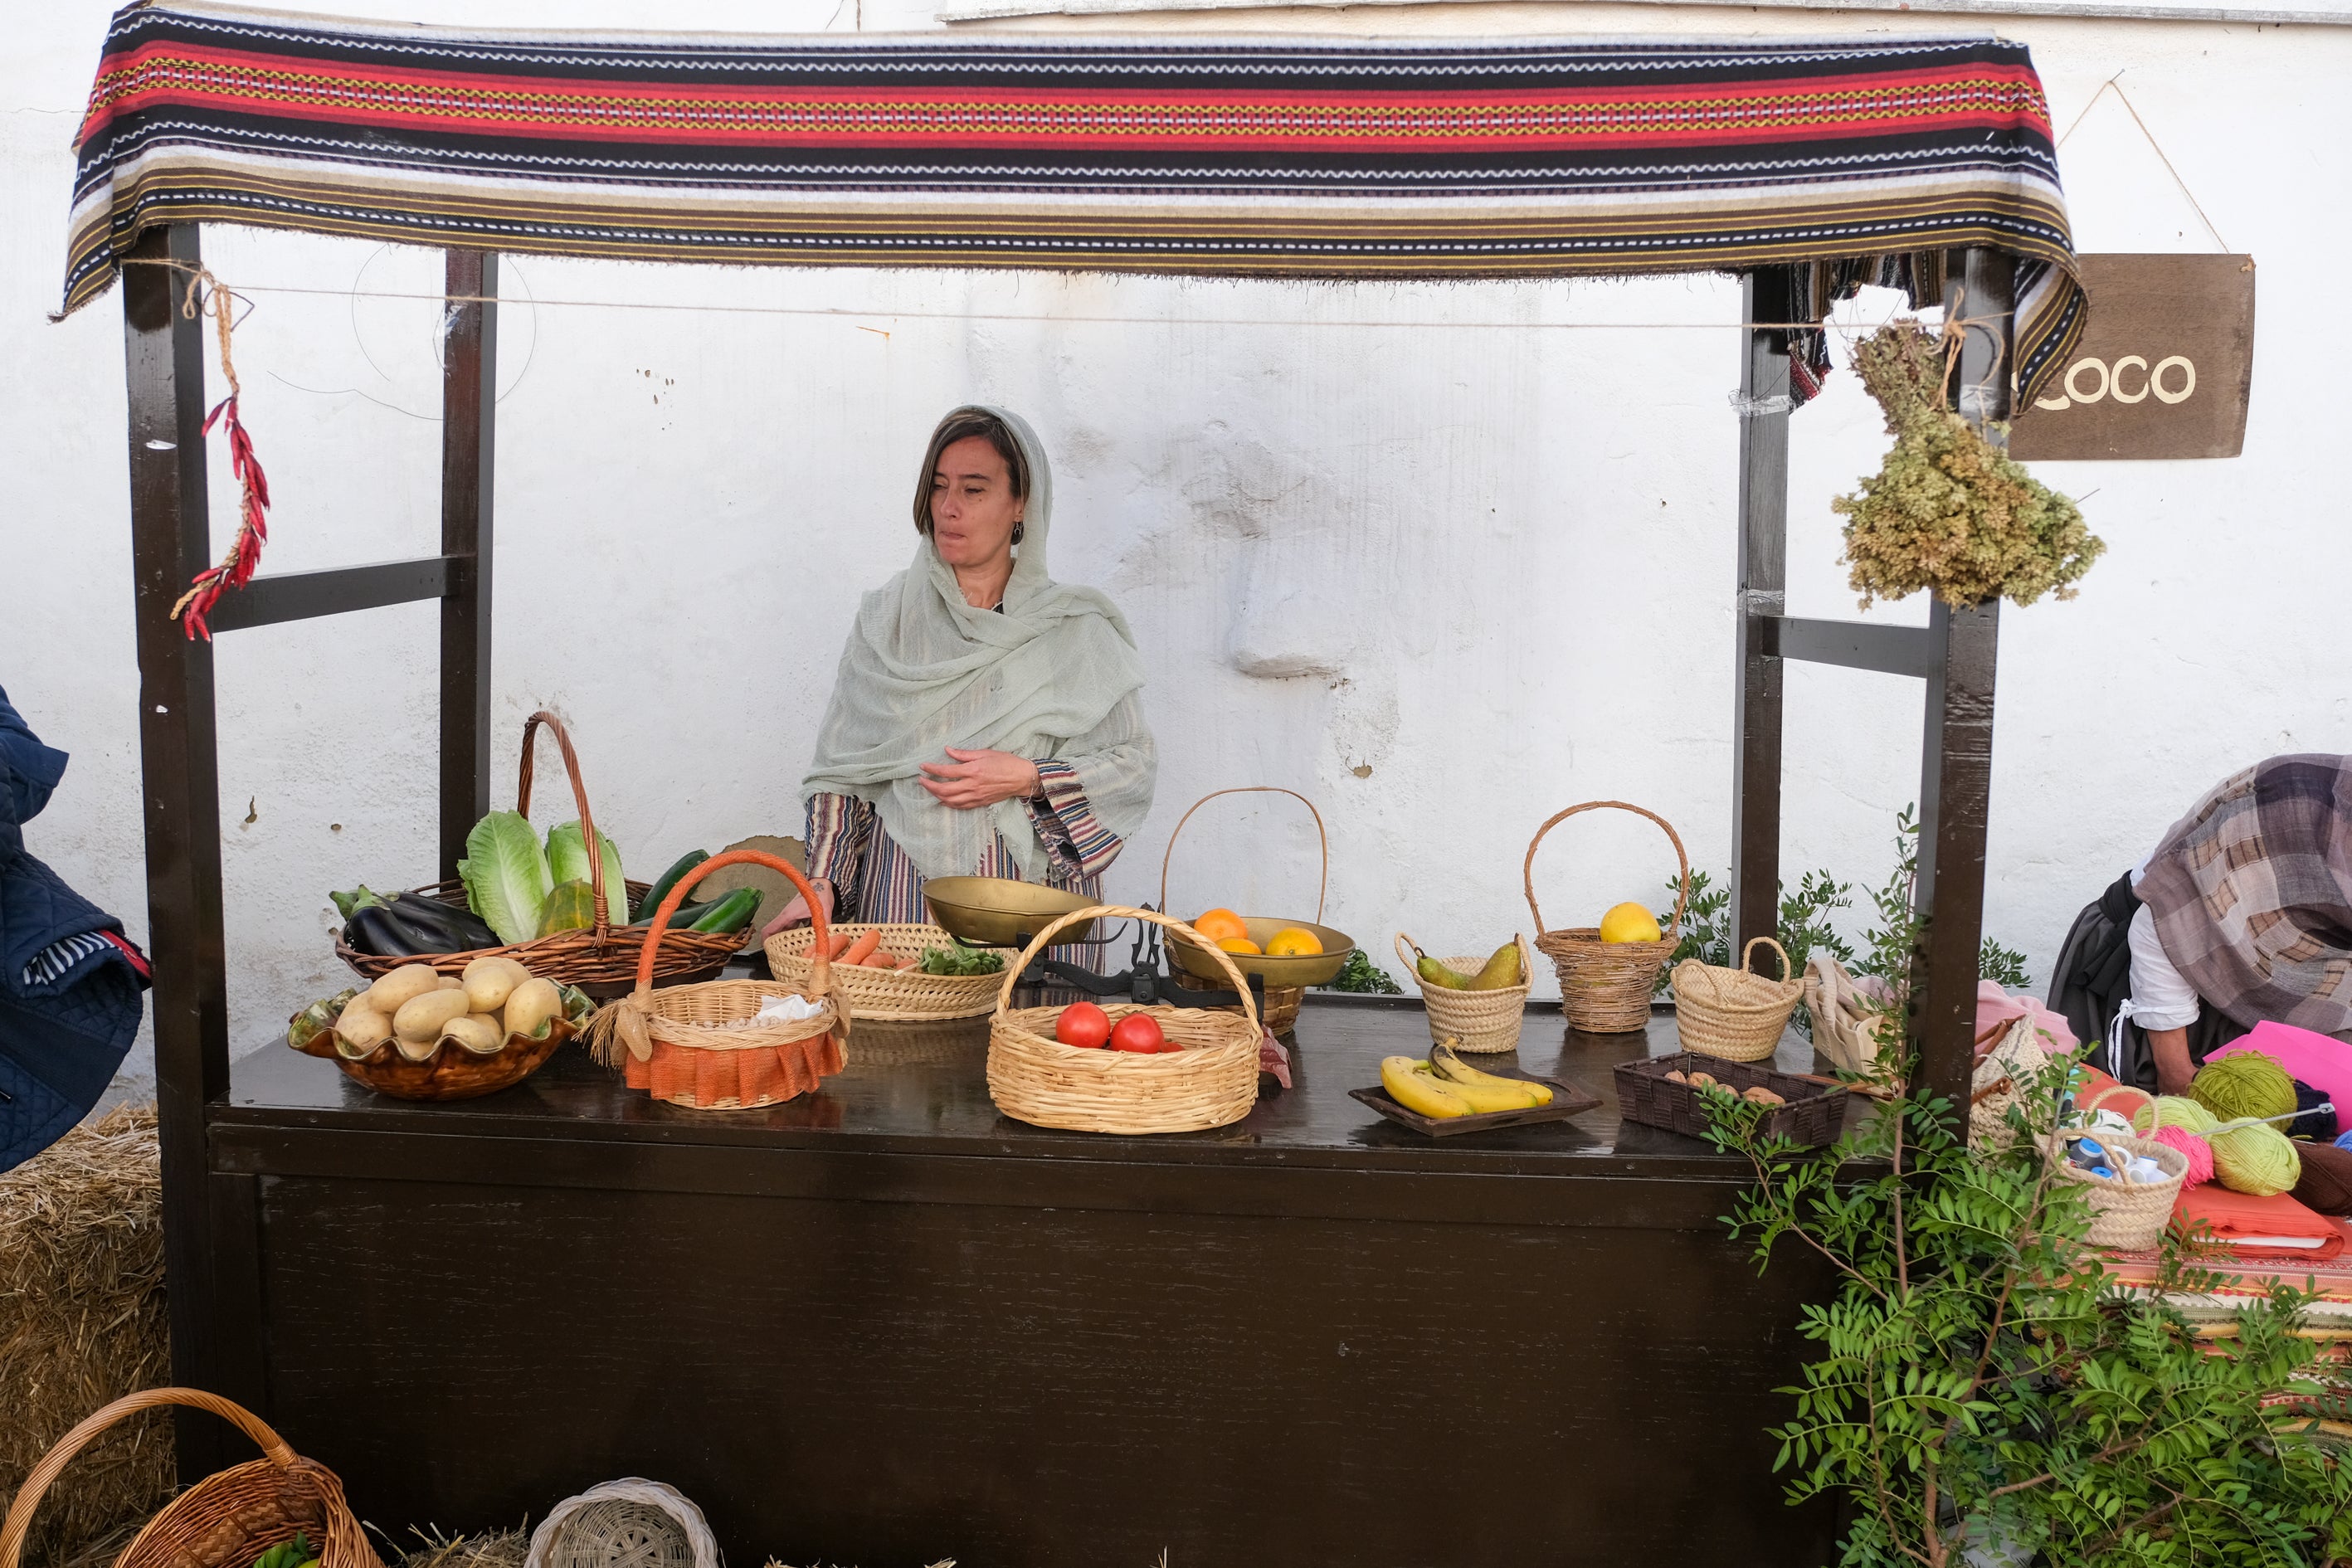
x=797 y=911
x=974 y=779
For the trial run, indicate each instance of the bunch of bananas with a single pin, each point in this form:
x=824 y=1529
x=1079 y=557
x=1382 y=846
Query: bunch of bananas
x=1446 y=1086
x=1504 y=969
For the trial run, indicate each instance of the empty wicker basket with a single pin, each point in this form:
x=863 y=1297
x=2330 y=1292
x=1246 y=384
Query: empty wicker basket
x=1482 y=1021
x=1605 y=986
x=1734 y=1013
x=1212 y=1082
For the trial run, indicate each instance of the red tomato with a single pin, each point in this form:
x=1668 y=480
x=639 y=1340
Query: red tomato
x=1084 y=1023
x=1137 y=1032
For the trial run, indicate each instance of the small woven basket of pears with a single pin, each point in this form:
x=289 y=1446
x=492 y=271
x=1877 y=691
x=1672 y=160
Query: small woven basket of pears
x=1476 y=1003
x=1607 y=973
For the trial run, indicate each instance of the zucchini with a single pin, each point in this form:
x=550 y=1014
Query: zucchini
x=643 y=913
x=731 y=913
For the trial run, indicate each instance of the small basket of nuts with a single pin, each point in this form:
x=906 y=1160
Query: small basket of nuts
x=1668 y=1092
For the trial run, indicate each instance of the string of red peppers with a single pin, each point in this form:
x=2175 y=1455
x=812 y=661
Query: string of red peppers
x=236 y=568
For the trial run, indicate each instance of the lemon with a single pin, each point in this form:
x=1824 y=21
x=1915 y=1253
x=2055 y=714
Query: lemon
x=1294 y=942
x=1629 y=923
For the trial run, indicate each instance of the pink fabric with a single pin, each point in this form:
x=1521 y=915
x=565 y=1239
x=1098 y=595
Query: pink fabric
x=2325 y=1064
x=2199 y=1154
x=1995 y=1006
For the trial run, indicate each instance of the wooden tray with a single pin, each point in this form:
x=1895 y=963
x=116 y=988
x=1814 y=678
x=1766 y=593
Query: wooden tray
x=1566 y=1100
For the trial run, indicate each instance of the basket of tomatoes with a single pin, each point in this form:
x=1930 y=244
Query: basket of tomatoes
x=1123 y=1067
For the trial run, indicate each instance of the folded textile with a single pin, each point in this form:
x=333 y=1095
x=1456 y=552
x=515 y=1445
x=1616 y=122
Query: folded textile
x=2275 y=1226
x=1995 y=1006
x=2326 y=1185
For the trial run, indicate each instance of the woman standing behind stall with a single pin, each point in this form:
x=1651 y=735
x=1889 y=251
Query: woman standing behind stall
x=986 y=720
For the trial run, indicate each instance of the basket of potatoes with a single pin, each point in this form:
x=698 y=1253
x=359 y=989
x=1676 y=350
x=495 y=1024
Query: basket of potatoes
x=415 y=1033
x=1677 y=1092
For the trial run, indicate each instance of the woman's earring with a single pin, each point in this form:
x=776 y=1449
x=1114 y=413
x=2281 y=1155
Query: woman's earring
x=1019 y=529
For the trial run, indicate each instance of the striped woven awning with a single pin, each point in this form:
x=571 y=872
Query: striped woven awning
x=1264 y=156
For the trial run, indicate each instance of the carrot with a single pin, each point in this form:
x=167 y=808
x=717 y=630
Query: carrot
x=883 y=961
x=841 y=939
x=863 y=945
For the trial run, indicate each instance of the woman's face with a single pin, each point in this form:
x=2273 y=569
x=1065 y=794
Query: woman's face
x=973 y=508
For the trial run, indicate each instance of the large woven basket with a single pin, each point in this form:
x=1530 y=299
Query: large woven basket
x=1482 y=1021
x=1737 y=1014
x=906 y=993
x=1212 y=1082
x=696 y=1045
x=588 y=959
x=224 y=1520
x=2126 y=1215
x=1605 y=986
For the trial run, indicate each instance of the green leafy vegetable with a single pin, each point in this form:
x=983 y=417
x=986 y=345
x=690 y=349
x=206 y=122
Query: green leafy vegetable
x=1361 y=974
x=506 y=875
x=567 y=861
x=288 y=1554
x=962 y=961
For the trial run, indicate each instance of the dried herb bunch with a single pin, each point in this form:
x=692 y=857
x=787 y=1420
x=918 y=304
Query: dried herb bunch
x=1949 y=511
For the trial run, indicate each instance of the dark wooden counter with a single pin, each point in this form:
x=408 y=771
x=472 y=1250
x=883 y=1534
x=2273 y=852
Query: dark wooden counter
x=886 y=1325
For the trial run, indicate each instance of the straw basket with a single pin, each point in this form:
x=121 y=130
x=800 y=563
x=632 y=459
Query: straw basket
x=2126 y=1215
x=588 y=959
x=1280 y=1008
x=696 y=1045
x=1605 y=986
x=1734 y=1013
x=906 y=993
x=224 y=1520
x=1483 y=1020
x=1213 y=1081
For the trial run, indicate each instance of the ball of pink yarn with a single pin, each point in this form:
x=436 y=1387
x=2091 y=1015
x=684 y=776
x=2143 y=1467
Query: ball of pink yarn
x=2195 y=1149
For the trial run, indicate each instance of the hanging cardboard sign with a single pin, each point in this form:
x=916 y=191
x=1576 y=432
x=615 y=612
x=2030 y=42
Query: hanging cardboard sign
x=2164 y=369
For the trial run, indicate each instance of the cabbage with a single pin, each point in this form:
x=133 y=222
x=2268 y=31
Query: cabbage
x=567 y=861
x=505 y=875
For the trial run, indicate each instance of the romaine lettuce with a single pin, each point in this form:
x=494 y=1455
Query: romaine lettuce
x=506 y=875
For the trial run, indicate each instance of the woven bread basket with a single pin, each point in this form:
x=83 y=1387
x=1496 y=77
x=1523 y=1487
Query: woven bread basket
x=1480 y=1021
x=224 y=1520
x=1605 y=986
x=906 y=993
x=2128 y=1217
x=1212 y=1082
x=696 y=1045
x=1734 y=1013
x=589 y=959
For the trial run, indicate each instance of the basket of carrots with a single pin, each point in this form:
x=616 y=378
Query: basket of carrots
x=911 y=974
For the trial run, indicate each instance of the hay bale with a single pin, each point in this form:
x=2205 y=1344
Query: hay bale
x=489 y=1549
x=82 y=1323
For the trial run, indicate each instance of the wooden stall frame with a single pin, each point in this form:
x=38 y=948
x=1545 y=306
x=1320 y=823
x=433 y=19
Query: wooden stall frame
x=210 y=1217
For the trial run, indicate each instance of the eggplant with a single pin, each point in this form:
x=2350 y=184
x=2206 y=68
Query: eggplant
x=410 y=927
x=464 y=931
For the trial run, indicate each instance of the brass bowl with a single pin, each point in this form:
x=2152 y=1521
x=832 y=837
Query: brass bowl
x=1308 y=969
x=997 y=911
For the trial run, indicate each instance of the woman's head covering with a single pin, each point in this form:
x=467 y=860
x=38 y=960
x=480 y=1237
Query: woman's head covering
x=923 y=670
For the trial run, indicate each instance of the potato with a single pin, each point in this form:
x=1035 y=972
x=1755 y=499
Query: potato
x=359 y=1029
x=420 y=1017
x=476 y=1032
x=416 y=1050
x=490 y=981
x=389 y=994
x=451 y=983
x=530 y=1006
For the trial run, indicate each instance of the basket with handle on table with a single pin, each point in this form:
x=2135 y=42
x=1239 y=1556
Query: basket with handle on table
x=1210 y=1082
x=1484 y=1022
x=1605 y=986
x=1735 y=1015
x=699 y=1045
x=1284 y=977
x=588 y=958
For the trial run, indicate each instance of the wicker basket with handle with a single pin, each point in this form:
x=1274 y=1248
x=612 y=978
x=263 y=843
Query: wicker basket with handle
x=1734 y=1013
x=1483 y=1020
x=224 y=1520
x=2128 y=1215
x=1212 y=1082
x=589 y=959
x=1605 y=986
x=906 y=993
x=697 y=1045
x=1282 y=1002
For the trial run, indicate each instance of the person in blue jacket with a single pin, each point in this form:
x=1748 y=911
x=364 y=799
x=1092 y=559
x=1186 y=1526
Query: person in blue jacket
x=69 y=980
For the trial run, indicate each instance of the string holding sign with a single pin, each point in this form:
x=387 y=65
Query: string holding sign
x=206 y=296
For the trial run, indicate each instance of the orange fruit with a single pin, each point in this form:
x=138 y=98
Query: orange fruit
x=1219 y=925
x=1240 y=944
x=1294 y=942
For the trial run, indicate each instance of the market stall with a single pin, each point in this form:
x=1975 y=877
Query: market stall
x=885 y=1319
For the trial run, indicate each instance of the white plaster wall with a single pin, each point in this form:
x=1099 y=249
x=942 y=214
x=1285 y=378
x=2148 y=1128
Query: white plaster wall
x=1443 y=558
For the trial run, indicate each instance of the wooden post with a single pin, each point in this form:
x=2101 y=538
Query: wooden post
x=163 y=354
x=1956 y=765
x=469 y=380
x=1761 y=594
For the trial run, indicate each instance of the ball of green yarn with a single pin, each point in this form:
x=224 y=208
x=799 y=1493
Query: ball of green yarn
x=2174 y=1110
x=2259 y=1160
x=2246 y=1084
